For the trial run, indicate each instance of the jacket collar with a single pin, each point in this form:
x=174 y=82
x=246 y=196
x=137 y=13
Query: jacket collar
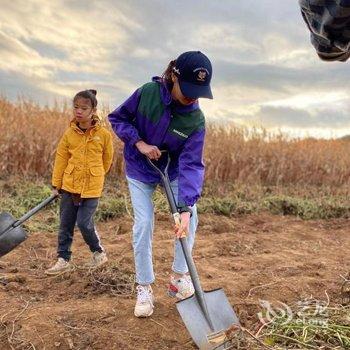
x=167 y=99
x=75 y=127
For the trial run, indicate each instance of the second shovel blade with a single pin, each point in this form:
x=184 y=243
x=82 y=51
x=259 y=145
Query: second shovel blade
x=10 y=238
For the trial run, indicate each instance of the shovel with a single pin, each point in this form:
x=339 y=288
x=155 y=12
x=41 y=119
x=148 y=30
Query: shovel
x=11 y=232
x=207 y=315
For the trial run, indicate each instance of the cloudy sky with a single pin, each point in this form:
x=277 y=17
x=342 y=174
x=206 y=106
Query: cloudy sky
x=266 y=72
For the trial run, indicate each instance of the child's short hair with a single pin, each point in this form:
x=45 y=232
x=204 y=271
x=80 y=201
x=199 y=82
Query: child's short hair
x=88 y=94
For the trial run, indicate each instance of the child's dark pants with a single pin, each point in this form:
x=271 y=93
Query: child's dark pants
x=82 y=215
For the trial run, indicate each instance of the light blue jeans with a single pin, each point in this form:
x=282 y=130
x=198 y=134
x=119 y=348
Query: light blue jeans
x=141 y=199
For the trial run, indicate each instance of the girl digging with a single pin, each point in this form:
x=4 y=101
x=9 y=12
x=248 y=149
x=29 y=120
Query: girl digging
x=164 y=115
x=84 y=155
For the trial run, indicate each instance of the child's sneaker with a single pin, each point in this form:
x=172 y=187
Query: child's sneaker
x=60 y=267
x=145 y=299
x=97 y=260
x=181 y=288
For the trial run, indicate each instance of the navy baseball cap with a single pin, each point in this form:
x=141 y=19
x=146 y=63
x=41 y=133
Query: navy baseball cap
x=194 y=71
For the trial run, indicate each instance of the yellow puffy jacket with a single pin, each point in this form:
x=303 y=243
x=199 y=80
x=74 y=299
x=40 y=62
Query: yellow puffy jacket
x=82 y=160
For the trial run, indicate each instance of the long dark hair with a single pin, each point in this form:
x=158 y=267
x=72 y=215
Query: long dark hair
x=88 y=94
x=166 y=76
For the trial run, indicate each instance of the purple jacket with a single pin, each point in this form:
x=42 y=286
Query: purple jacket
x=151 y=115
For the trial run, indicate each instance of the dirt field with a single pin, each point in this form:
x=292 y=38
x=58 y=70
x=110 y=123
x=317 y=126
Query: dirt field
x=254 y=257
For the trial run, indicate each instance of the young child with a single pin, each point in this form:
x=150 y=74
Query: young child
x=164 y=115
x=84 y=155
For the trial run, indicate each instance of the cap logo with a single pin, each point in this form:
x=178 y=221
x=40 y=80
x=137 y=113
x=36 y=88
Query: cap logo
x=176 y=70
x=202 y=73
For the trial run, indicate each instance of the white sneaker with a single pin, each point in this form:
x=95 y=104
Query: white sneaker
x=60 y=266
x=181 y=288
x=97 y=260
x=145 y=299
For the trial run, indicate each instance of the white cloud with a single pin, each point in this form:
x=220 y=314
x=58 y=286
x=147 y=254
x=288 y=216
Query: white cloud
x=309 y=99
x=225 y=41
x=264 y=65
x=85 y=39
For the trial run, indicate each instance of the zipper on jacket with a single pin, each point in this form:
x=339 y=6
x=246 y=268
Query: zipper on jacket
x=166 y=129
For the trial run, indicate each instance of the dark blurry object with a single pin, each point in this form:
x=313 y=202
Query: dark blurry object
x=329 y=24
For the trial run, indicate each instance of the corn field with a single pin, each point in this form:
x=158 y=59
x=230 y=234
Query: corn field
x=30 y=133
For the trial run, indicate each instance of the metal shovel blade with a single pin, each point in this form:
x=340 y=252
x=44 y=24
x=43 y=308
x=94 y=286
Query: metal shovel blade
x=10 y=237
x=11 y=232
x=221 y=314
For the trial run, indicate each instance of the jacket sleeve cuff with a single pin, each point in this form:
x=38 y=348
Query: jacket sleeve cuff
x=56 y=186
x=135 y=140
x=183 y=208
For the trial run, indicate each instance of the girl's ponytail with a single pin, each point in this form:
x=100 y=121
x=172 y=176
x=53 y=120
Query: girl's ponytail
x=167 y=73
